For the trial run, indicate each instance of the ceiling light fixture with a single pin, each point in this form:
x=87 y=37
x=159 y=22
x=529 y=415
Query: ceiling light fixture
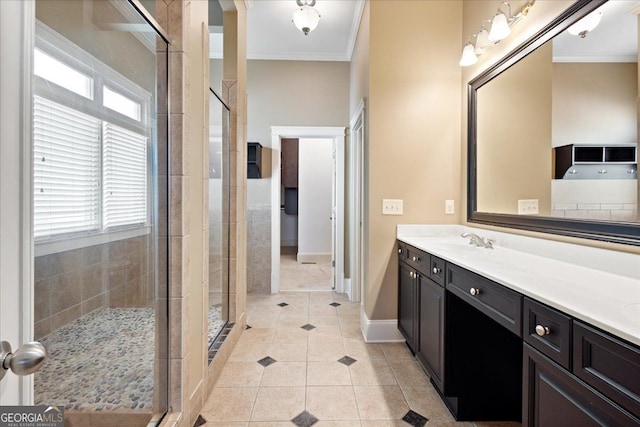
x=305 y=17
x=586 y=24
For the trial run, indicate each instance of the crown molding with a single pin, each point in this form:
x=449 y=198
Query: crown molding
x=355 y=26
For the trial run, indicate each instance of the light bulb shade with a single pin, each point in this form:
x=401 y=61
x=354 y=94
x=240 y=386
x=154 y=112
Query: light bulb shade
x=306 y=19
x=499 y=28
x=586 y=24
x=482 y=41
x=468 y=56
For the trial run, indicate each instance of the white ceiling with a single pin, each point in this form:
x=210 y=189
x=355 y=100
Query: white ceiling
x=272 y=35
x=615 y=39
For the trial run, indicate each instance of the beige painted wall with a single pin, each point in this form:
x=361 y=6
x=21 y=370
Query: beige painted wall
x=514 y=136
x=292 y=93
x=543 y=12
x=594 y=103
x=414 y=128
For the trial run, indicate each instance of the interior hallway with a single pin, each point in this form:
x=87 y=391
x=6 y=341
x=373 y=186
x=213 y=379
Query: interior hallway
x=302 y=361
x=296 y=276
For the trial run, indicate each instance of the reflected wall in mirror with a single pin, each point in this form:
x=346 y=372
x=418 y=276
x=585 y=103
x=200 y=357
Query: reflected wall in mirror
x=553 y=130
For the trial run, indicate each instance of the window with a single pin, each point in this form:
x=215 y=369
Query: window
x=61 y=74
x=90 y=152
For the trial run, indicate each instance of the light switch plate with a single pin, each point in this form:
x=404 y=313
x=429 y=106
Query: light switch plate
x=392 y=207
x=528 y=207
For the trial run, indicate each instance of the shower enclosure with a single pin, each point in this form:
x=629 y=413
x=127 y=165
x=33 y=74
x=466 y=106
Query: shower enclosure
x=218 y=220
x=100 y=166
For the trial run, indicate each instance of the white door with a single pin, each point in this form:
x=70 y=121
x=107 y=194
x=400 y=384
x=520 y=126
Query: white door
x=16 y=323
x=334 y=229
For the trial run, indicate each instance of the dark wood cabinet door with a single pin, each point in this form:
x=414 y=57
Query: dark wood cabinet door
x=407 y=306
x=554 y=398
x=289 y=175
x=430 y=350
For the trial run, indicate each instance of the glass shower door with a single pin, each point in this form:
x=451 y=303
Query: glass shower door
x=100 y=210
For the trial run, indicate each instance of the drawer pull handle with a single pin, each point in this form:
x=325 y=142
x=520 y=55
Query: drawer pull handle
x=474 y=291
x=542 y=330
x=436 y=270
x=415 y=259
x=412 y=274
x=399 y=250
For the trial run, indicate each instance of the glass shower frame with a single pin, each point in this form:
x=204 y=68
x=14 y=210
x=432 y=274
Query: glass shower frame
x=219 y=218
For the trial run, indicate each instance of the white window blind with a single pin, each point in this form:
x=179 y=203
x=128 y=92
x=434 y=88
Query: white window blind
x=125 y=176
x=66 y=170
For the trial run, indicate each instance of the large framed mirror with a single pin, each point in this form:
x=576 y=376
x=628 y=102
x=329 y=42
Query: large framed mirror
x=553 y=129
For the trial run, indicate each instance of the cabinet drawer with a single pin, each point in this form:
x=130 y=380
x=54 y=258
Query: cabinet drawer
x=548 y=330
x=499 y=303
x=437 y=270
x=609 y=365
x=418 y=259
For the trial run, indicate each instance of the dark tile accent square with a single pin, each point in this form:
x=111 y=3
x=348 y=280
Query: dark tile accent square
x=283 y=304
x=247 y=327
x=335 y=304
x=415 y=419
x=304 y=419
x=200 y=421
x=308 y=327
x=347 y=360
x=266 y=361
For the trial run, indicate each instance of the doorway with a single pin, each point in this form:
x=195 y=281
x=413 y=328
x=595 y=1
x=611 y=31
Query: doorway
x=307 y=197
x=336 y=231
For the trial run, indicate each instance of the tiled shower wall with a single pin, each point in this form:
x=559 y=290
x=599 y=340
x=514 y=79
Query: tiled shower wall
x=73 y=283
x=599 y=211
x=259 y=248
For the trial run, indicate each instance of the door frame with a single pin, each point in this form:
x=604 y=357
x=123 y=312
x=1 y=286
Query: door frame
x=357 y=214
x=17 y=26
x=338 y=134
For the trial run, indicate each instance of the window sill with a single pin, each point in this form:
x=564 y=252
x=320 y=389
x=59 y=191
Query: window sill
x=71 y=243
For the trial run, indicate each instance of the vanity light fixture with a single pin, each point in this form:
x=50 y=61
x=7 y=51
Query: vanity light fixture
x=482 y=40
x=500 y=29
x=586 y=24
x=305 y=17
x=468 y=55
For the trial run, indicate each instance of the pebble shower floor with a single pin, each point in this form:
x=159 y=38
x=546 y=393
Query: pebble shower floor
x=103 y=361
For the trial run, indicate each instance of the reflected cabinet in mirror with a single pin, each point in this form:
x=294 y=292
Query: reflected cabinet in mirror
x=553 y=130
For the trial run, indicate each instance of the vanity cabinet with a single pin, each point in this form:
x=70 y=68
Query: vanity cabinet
x=407 y=304
x=421 y=306
x=552 y=397
x=494 y=354
x=430 y=348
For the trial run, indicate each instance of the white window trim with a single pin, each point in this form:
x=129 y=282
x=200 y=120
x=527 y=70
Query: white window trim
x=60 y=48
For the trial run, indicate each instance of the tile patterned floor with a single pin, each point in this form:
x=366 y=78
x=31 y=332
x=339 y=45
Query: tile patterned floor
x=296 y=276
x=282 y=372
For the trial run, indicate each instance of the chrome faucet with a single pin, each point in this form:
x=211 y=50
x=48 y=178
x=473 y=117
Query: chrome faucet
x=478 y=241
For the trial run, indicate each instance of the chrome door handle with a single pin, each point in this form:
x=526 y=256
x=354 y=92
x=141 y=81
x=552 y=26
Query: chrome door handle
x=25 y=360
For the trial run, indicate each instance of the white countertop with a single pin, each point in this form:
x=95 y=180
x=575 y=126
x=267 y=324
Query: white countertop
x=598 y=286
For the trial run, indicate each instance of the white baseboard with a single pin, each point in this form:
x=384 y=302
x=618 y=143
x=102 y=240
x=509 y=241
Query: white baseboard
x=377 y=331
x=314 y=257
x=346 y=283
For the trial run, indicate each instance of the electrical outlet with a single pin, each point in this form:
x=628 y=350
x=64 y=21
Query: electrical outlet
x=449 y=207
x=528 y=207
x=391 y=207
